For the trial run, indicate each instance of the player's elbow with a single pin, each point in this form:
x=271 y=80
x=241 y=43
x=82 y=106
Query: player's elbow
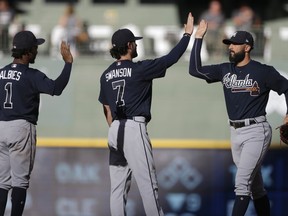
x=59 y=87
x=193 y=72
x=57 y=92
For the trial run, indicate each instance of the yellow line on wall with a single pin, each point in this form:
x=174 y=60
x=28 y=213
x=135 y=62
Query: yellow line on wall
x=156 y=143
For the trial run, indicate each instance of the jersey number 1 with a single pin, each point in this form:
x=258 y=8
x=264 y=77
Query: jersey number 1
x=8 y=100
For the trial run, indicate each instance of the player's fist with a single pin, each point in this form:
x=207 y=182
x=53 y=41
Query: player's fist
x=65 y=52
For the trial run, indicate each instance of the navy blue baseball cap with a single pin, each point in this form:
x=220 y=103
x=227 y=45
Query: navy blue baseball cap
x=240 y=37
x=121 y=37
x=26 y=40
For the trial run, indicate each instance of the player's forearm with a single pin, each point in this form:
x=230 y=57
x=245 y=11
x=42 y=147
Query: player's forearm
x=285 y=121
x=108 y=117
x=62 y=80
x=175 y=54
x=286 y=98
x=109 y=121
x=195 y=64
x=108 y=114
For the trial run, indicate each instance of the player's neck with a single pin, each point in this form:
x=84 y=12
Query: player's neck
x=20 y=61
x=124 y=58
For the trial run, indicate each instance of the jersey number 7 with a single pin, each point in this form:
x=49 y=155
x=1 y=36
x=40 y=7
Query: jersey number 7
x=119 y=85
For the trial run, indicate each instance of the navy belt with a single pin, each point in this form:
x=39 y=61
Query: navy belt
x=239 y=124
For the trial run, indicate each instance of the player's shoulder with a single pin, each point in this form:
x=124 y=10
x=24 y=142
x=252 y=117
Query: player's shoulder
x=261 y=66
x=118 y=65
x=22 y=67
x=224 y=64
x=258 y=63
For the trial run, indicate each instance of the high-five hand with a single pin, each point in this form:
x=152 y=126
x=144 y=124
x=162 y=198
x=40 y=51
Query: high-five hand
x=189 y=26
x=202 y=29
x=65 y=52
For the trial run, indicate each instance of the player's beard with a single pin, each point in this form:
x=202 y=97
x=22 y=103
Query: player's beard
x=134 y=52
x=32 y=59
x=236 y=57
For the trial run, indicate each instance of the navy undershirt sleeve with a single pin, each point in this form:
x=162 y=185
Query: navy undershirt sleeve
x=174 y=55
x=62 y=80
x=210 y=73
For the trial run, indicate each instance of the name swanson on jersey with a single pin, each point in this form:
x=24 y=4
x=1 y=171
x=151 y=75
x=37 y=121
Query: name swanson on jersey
x=121 y=72
x=10 y=74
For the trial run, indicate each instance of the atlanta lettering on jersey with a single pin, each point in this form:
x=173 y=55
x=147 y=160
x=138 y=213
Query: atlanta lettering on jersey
x=10 y=74
x=121 y=72
x=244 y=85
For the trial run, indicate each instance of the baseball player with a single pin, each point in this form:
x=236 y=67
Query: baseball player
x=20 y=88
x=126 y=94
x=246 y=86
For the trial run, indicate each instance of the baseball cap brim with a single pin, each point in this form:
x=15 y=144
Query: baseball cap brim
x=228 y=42
x=40 y=41
x=138 y=38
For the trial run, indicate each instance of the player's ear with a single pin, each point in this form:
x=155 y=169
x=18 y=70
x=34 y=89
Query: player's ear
x=248 y=48
x=130 y=45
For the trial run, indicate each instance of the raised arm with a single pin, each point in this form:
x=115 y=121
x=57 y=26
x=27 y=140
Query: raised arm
x=210 y=73
x=62 y=80
x=195 y=66
x=174 y=55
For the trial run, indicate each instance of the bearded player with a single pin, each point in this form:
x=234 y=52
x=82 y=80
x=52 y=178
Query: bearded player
x=246 y=85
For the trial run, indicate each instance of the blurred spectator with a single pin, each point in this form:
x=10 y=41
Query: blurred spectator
x=216 y=20
x=243 y=18
x=72 y=26
x=246 y=19
x=83 y=40
x=7 y=15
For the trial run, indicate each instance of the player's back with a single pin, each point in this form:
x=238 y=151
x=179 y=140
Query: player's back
x=18 y=98
x=127 y=86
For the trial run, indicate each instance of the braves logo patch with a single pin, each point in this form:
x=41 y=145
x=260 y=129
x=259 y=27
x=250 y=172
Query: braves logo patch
x=241 y=85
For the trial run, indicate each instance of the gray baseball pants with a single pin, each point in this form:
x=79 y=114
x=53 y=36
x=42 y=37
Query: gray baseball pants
x=131 y=154
x=17 y=153
x=249 y=146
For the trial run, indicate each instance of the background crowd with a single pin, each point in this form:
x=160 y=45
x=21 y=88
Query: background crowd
x=74 y=28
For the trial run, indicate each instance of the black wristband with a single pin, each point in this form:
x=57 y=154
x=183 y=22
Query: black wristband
x=187 y=34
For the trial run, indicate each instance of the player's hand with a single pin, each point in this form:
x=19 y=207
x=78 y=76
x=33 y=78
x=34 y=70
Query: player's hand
x=65 y=52
x=189 y=26
x=285 y=119
x=202 y=29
